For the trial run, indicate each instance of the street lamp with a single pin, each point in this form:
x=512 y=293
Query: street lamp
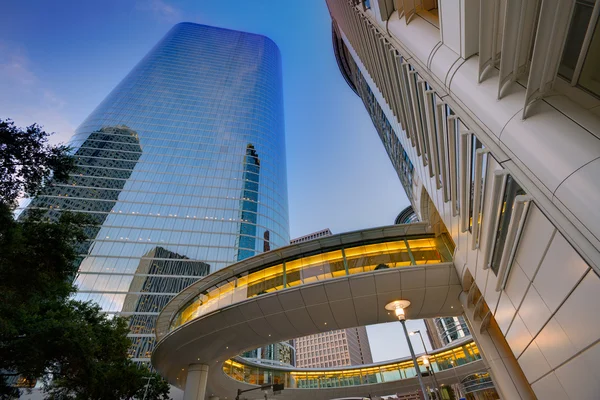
x=398 y=307
x=429 y=368
x=432 y=372
x=457 y=378
x=421 y=336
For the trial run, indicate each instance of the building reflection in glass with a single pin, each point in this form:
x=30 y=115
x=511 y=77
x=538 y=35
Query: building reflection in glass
x=249 y=204
x=104 y=161
x=355 y=79
x=156 y=274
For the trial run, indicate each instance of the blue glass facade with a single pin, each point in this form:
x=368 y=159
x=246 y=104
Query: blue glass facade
x=355 y=79
x=182 y=167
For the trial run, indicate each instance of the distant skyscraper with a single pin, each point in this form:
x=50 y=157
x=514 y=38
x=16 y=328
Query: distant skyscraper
x=311 y=236
x=182 y=167
x=407 y=216
x=445 y=330
x=335 y=348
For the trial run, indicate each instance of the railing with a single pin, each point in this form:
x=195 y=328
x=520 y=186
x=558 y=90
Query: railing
x=477 y=382
x=342 y=261
x=304 y=378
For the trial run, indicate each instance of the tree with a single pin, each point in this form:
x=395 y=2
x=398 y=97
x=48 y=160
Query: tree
x=97 y=366
x=79 y=352
x=27 y=161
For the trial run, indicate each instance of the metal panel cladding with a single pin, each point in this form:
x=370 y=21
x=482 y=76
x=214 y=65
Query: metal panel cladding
x=182 y=167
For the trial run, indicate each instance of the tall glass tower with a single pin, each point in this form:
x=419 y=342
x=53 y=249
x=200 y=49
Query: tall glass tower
x=182 y=168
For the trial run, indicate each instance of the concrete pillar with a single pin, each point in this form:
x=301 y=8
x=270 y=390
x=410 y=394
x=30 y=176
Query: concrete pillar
x=195 y=385
x=504 y=368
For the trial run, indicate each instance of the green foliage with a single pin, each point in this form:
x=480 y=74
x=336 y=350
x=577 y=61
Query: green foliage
x=77 y=351
x=97 y=366
x=27 y=161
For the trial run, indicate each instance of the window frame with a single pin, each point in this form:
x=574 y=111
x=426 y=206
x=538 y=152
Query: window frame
x=503 y=221
x=592 y=27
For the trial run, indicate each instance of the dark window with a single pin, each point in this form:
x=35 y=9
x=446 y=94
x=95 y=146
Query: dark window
x=511 y=190
x=580 y=62
x=579 y=25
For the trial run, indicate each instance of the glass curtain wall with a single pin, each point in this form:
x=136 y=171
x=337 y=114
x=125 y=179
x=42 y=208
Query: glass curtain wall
x=182 y=168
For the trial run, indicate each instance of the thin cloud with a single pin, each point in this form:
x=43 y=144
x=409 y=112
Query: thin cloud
x=25 y=98
x=163 y=11
x=14 y=64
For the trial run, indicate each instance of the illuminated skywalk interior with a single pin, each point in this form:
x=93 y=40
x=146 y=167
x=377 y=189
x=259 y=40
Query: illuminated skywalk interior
x=348 y=260
x=335 y=282
x=459 y=362
x=461 y=353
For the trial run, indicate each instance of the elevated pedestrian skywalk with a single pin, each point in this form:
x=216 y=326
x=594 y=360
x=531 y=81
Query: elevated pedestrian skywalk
x=335 y=282
x=451 y=365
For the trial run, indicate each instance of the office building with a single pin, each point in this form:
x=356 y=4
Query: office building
x=442 y=331
x=407 y=216
x=311 y=236
x=182 y=167
x=334 y=349
x=276 y=354
x=497 y=106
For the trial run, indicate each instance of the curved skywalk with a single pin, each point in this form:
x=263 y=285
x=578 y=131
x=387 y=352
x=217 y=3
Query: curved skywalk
x=450 y=364
x=336 y=282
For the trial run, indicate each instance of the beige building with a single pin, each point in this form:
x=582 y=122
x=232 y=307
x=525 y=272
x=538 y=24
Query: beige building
x=489 y=112
x=333 y=349
x=311 y=236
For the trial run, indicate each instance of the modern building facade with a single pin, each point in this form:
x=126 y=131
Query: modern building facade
x=407 y=216
x=495 y=104
x=311 y=236
x=276 y=354
x=341 y=347
x=444 y=330
x=183 y=169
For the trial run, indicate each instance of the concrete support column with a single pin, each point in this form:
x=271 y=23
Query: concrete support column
x=509 y=379
x=195 y=385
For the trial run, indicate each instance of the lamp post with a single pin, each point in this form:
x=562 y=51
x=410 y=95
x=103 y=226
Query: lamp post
x=398 y=307
x=427 y=365
x=418 y=332
x=457 y=378
x=429 y=368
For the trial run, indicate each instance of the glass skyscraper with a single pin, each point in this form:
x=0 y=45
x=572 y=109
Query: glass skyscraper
x=182 y=168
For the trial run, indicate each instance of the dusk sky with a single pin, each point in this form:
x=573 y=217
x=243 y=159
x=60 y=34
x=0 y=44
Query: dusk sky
x=59 y=60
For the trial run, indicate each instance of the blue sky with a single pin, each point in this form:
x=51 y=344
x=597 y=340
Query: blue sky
x=59 y=59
